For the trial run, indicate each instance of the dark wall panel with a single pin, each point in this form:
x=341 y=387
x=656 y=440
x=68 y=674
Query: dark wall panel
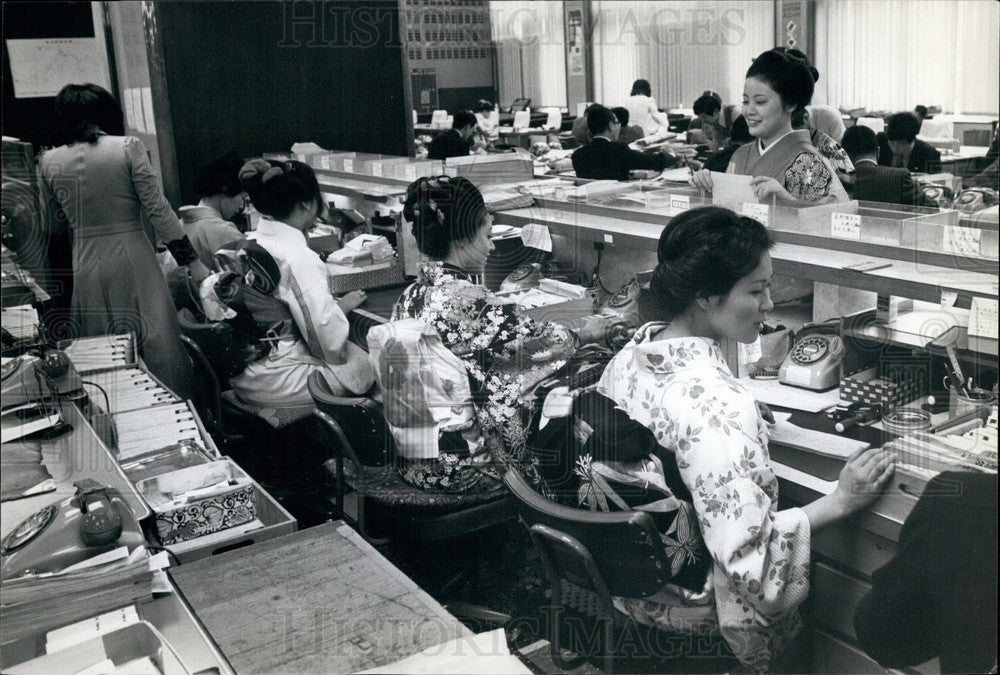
x=260 y=76
x=464 y=98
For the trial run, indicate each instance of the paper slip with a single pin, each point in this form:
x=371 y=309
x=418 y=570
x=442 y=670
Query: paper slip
x=114 y=555
x=732 y=190
x=680 y=174
x=845 y=226
x=78 y=632
x=983 y=318
x=759 y=212
x=537 y=236
x=773 y=392
x=964 y=241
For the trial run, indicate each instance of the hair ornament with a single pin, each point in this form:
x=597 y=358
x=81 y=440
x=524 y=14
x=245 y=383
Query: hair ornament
x=271 y=173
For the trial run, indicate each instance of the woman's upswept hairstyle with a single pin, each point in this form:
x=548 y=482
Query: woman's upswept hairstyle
x=443 y=210
x=705 y=252
x=83 y=109
x=275 y=188
x=789 y=76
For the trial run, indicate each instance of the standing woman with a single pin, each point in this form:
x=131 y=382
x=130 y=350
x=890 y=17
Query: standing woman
x=643 y=111
x=784 y=163
x=99 y=183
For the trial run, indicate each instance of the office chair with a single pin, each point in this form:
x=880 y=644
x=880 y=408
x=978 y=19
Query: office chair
x=590 y=556
x=388 y=507
x=215 y=357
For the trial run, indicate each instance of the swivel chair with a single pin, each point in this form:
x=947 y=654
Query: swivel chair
x=590 y=556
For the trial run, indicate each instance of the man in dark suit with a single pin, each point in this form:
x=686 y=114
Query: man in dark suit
x=456 y=141
x=872 y=182
x=938 y=596
x=603 y=158
x=900 y=147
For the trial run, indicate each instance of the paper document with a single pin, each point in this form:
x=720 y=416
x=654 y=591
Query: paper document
x=537 y=236
x=732 y=190
x=773 y=392
x=679 y=174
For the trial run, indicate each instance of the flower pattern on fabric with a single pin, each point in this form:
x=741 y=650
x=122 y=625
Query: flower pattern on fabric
x=833 y=151
x=682 y=390
x=505 y=355
x=808 y=178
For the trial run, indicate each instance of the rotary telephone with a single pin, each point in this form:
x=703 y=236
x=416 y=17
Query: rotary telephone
x=814 y=360
x=94 y=520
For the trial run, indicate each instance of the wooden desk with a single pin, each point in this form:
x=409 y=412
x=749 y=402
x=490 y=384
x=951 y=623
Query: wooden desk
x=319 y=600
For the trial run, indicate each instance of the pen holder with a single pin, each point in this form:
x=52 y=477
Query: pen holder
x=959 y=403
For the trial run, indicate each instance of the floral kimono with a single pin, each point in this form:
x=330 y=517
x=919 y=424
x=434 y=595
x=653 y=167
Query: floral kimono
x=505 y=356
x=682 y=390
x=795 y=163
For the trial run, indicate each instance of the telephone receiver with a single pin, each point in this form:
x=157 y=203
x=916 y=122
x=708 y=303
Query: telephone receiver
x=30 y=377
x=814 y=360
x=93 y=521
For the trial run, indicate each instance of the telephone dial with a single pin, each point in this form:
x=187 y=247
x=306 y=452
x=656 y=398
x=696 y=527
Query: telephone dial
x=814 y=360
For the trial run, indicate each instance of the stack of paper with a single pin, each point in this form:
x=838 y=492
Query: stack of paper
x=505 y=200
x=21 y=321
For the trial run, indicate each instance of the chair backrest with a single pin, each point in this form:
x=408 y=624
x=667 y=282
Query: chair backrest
x=625 y=546
x=876 y=124
x=207 y=395
x=217 y=342
x=366 y=434
x=939 y=127
x=519 y=104
x=522 y=119
x=554 y=120
x=439 y=119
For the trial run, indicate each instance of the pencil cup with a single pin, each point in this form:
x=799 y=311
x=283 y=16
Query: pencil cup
x=959 y=403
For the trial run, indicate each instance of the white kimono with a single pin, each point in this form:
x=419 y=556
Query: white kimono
x=279 y=379
x=683 y=391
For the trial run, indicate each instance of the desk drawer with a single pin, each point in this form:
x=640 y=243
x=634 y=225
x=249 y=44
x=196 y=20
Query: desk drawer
x=853 y=549
x=835 y=599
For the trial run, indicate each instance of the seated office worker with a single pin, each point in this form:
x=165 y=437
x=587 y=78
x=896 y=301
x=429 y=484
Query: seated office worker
x=628 y=134
x=503 y=352
x=712 y=284
x=604 y=158
x=872 y=182
x=218 y=218
x=784 y=163
x=938 y=596
x=457 y=141
x=898 y=146
x=313 y=334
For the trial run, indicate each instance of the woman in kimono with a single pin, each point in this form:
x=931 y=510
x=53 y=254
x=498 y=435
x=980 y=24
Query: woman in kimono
x=504 y=353
x=308 y=333
x=712 y=283
x=785 y=165
x=98 y=184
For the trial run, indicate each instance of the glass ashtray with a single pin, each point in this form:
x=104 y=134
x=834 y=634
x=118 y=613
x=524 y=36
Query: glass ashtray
x=903 y=421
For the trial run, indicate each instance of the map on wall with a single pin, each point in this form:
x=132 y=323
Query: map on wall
x=42 y=67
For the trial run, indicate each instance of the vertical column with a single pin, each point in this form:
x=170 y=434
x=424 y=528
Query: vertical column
x=579 y=55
